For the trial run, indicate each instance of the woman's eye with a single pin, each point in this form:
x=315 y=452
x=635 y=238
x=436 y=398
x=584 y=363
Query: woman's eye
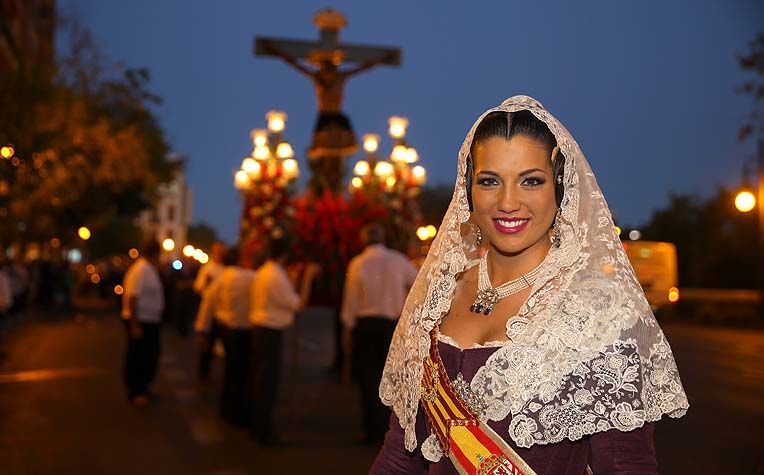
x=533 y=181
x=487 y=181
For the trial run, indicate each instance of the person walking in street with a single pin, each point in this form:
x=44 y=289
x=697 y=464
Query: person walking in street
x=142 y=305
x=227 y=300
x=206 y=276
x=274 y=304
x=376 y=286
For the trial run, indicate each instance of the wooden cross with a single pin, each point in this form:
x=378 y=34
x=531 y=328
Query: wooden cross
x=321 y=60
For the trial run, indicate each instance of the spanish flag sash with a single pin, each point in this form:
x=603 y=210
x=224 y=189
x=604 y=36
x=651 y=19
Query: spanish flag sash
x=471 y=445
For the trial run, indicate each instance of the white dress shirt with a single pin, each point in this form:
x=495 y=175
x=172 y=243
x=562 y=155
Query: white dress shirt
x=227 y=299
x=207 y=274
x=377 y=283
x=274 y=299
x=142 y=281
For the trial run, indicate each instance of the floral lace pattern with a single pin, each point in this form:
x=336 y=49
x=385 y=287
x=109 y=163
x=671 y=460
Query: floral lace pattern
x=585 y=353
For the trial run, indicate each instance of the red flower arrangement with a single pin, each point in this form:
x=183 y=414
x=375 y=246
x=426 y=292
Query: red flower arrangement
x=328 y=227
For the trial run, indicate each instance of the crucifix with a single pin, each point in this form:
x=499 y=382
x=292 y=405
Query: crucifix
x=322 y=61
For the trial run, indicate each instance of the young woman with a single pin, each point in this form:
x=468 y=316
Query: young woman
x=526 y=344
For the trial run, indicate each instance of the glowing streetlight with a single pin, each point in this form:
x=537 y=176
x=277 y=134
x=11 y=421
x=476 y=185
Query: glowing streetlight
x=371 y=142
x=419 y=174
x=284 y=150
x=291 y=168
x=398 y=127
x=383 y=169
x=188 y=250
x=361 y=168
x=635 y=235
x=259 y=137
x=83 y=233
x=745 y=201
x=356 y=182
x=673 y=295
x=422 y=233
x=250 y=166
x=241 y=180
x=411 y=155
x=431 y=230
x=276 y=121
x=168 y=244
x=400 y=154
x=7 y=151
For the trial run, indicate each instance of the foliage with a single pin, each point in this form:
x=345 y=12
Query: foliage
x=201 y=235
x=753 y=62
x=90 y=150
x=714 y=242
x=434 y=201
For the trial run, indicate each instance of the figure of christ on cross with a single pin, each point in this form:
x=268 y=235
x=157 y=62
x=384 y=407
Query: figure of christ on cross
x=333 y=136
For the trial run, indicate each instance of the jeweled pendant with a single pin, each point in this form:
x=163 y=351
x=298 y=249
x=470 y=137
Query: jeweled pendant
x=484 y=301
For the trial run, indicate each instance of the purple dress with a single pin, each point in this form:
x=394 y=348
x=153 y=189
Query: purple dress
x=607 y=453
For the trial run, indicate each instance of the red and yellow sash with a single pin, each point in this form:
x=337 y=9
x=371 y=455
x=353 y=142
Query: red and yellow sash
x=473 y=447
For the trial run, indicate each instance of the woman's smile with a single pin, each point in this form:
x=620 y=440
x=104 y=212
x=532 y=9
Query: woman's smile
x=510 y=225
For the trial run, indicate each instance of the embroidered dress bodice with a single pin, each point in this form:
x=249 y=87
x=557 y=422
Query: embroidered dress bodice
x=450 y=341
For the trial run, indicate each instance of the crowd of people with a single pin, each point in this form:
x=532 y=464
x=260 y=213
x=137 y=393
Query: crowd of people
x=248 y=310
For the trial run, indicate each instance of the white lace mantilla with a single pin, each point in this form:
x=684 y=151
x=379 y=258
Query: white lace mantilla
x=585 y=353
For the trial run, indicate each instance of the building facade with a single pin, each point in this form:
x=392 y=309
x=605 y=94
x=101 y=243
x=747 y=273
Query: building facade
x=171 y=214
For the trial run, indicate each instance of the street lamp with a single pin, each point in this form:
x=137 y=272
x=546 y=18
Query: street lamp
x=745 y=201
x=394 y=174
x=83 y=233
x=272 y=160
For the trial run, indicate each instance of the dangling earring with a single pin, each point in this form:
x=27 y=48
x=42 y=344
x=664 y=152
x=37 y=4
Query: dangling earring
x=478 y=235
x=556 y=235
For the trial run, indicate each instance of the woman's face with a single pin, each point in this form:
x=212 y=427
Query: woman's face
x=513 y=194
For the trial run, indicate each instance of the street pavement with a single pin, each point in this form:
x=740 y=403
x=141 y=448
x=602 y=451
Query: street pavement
x=63 y=409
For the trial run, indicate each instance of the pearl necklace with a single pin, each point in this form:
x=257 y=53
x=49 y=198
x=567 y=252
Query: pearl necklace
x=488 y=296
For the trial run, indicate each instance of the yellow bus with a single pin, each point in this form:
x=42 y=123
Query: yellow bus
x=655 y=265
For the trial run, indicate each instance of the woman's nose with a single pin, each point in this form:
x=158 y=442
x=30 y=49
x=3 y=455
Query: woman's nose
x=509 y=201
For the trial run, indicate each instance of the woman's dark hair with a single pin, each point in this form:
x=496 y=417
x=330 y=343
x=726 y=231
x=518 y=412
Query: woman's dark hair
x=506 y=125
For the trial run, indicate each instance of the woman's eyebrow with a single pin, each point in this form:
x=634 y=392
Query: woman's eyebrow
x=488 y=172
x=531 y=170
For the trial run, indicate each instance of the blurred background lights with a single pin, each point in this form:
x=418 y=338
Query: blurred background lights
x=168 y=244
x=177 y=264
x=75 y=256
x=745 y=201
x=83 y=233
x=673 y=295
x=634 y=234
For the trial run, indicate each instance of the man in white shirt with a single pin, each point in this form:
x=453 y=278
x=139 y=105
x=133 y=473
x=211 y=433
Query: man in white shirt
x=208 y=273
x=376 y=286
x=142 y=306
x=227 y=300
x=273 y=307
